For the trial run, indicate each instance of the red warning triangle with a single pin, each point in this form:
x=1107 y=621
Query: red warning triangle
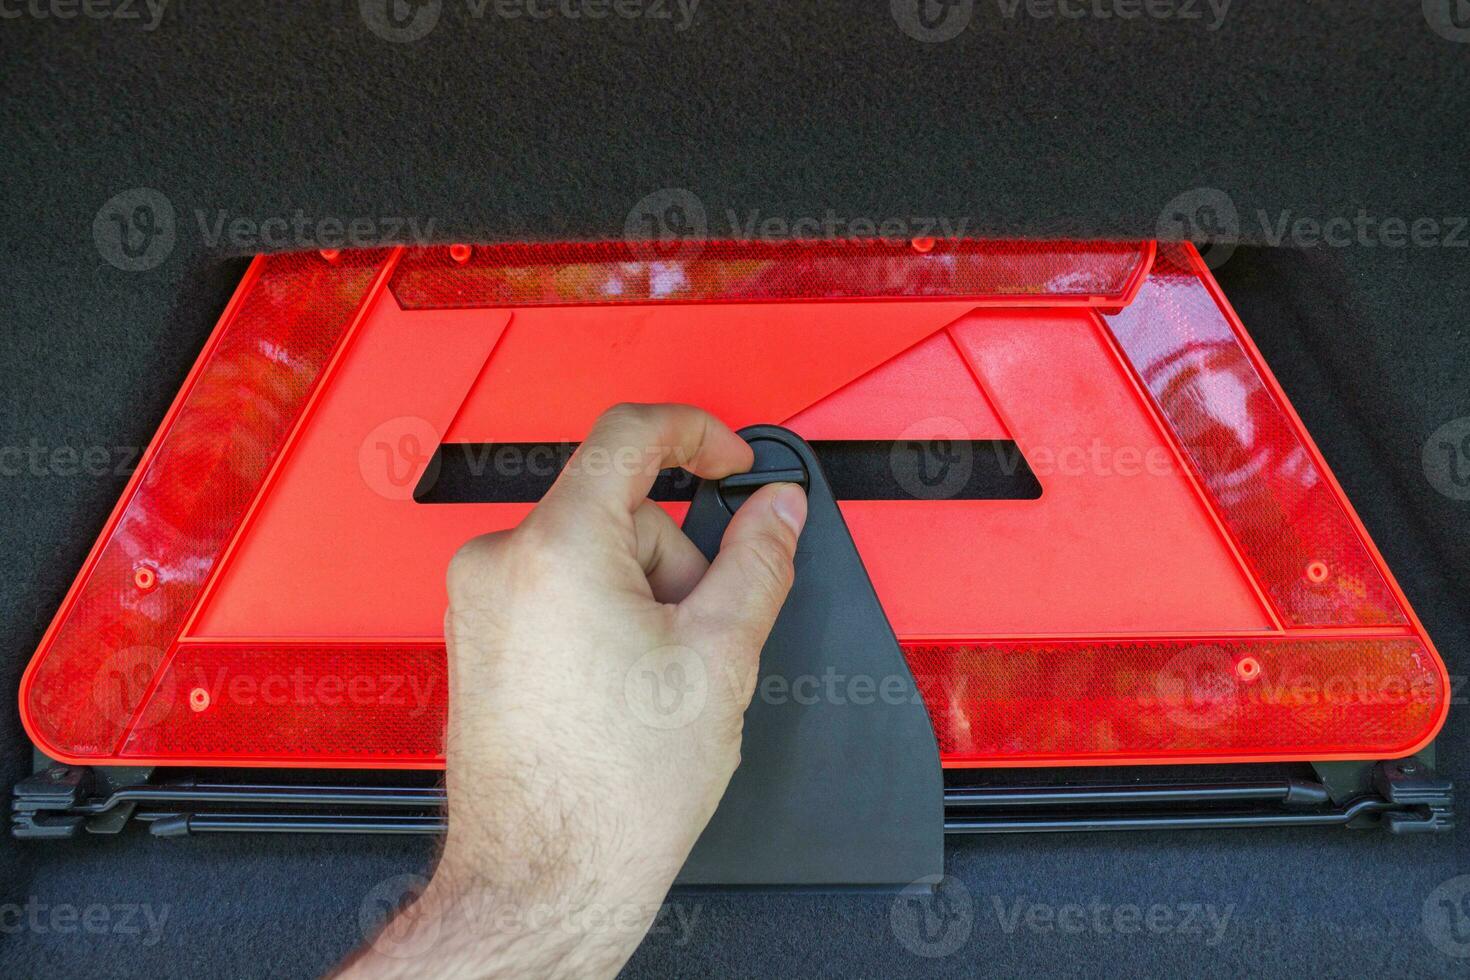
x=269 y=592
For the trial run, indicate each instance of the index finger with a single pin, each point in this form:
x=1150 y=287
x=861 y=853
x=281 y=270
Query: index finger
x=620 y=458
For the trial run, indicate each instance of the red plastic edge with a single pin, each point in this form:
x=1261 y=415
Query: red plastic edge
x=232 y=310
x=988 y=272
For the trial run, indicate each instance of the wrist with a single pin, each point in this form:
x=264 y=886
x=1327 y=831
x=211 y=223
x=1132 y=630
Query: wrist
x=467 y=923
x=562 y=925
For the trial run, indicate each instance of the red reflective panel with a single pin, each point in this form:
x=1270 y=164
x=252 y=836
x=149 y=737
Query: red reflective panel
x=1038 y=702
x=633 y=272
x=1253 y=461
x=215 y=448
x=298 y=704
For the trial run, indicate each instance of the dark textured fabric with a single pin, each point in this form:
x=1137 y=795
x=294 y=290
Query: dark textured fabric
x=501 y=129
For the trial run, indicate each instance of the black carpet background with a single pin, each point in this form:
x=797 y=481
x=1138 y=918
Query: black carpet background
x=503 y=129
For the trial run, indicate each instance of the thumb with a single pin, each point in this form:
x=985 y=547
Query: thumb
x=747 y=582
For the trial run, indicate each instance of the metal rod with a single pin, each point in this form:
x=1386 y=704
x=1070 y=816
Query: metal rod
x=171 y=824
x=385 y=796
x=1193 y=821
x=171 y=808
x=431 y=797
x=184 y=824
x=1283 y=791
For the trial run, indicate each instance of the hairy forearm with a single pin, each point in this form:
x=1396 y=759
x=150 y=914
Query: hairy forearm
x=464 y=927
x=536 y=878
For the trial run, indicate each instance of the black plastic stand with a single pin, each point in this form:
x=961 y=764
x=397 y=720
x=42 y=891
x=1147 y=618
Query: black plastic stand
x=836 y=787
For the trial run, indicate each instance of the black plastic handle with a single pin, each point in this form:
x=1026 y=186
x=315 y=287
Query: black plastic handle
x=840 y=783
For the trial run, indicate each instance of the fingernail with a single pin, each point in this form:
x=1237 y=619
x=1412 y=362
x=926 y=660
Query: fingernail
x=789 y=503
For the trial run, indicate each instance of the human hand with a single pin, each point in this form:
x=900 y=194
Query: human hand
x=599 y=671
